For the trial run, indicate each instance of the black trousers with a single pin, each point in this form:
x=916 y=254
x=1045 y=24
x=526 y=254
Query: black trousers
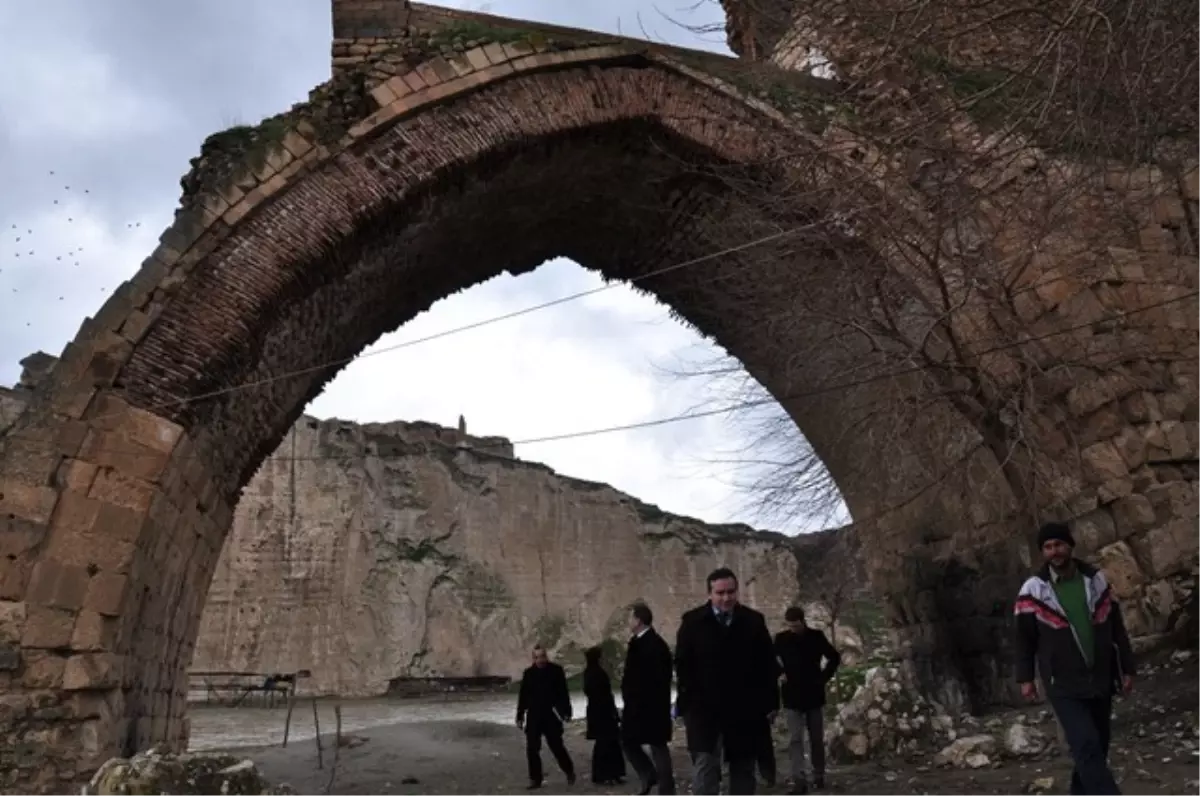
x=765 y=753
x=656 y=767
x=1087 y=724
x=533 y=751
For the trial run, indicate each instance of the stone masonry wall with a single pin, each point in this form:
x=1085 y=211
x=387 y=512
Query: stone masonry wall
x=1114 y=426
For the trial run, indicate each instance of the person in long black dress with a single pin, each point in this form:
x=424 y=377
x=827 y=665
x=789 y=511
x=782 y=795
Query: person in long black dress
x=603 y=722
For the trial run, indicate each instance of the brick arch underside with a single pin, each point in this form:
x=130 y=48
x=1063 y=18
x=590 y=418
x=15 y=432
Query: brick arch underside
x=601 y=165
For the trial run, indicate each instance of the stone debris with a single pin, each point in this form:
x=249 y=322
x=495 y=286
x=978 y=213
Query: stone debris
x=1040 y=785
x=972 y=751
x=157 y=771
x=886 y=716
x=1022 y=740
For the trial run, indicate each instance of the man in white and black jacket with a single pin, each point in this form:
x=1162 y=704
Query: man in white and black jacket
x=1069 y=623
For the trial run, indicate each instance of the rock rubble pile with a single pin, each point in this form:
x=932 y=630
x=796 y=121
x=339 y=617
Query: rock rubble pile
x=158 y=771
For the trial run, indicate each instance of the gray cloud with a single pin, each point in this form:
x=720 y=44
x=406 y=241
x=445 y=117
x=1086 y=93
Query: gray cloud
x=115 y=98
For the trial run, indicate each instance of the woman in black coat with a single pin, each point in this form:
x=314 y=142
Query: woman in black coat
x=603 y=723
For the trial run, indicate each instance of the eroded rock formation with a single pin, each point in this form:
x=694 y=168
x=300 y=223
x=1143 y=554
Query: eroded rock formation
x=367 y=552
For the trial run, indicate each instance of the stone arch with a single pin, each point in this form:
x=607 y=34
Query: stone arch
x=299 y=243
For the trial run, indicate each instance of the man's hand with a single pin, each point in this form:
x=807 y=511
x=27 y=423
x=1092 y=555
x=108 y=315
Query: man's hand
x=1029 y=691
x=1127 y=684
x=783 y=677
x=520 y=722
x=771 y=716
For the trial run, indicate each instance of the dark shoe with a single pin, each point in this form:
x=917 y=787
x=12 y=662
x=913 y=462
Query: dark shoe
x=819 y=782
x=571 y=778
x=799 y=788
x=647 y=787
x=534 y=785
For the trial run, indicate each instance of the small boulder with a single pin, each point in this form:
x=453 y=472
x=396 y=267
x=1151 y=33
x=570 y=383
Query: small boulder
x=972 y=751
x=1022 y=740
x=158 y=771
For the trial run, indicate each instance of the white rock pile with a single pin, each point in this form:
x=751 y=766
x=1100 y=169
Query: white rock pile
x=158 y=771
x=886 y=716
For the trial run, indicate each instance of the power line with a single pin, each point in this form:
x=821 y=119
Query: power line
x=749 y=404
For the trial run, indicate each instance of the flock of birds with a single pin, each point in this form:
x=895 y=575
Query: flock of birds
x=29 y=251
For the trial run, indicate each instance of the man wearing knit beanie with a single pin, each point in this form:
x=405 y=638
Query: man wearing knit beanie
x=1057 y=531
x=1070 y=626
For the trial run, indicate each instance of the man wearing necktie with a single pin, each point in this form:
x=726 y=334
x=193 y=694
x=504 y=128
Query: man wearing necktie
x=727 y=682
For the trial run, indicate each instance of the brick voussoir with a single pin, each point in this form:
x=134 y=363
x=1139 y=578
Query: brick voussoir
x=505 y=63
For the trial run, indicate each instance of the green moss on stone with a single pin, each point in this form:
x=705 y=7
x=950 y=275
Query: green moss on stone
x=467 y=34
x=794 y=94
x=230 y=155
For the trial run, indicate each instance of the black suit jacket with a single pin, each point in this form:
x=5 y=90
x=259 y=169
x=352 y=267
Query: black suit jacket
x=802 y=655
x=646 y=690
x=727 y=676
x=544 y=702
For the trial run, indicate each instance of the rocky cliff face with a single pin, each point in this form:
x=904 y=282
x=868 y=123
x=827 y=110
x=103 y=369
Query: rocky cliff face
x=11 y=404
x=367 y=552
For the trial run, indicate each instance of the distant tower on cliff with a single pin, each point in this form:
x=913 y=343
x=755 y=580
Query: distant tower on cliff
x=462 y=425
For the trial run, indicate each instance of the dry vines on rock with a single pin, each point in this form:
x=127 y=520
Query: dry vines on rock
x=996 y=237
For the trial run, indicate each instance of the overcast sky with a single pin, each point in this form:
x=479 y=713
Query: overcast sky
x=102 y=104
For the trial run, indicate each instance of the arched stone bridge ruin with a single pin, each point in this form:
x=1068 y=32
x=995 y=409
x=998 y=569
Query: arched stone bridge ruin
x=450 y=147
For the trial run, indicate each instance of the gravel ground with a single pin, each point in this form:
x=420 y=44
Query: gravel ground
x=1154 y=752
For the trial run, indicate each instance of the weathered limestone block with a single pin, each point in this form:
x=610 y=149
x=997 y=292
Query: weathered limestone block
x=1132 y=514
x=1167 y=549
x=1102 y=463
x=1122 y=569
x=1094 y=530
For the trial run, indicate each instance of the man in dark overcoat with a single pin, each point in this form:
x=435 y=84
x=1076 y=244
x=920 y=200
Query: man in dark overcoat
x=809 y=662
x=646 y=693
x=543 y=704
x=727 y=679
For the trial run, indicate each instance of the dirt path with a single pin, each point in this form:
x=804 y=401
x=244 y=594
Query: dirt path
x=1155 y=752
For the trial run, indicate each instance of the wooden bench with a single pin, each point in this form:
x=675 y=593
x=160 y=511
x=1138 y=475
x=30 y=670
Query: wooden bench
x=235 y=689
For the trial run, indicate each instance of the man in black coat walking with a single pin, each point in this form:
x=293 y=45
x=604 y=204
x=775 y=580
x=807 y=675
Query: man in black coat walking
x=646 y=692
x=727 y=677
x=542 y=706
x=801 y=651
